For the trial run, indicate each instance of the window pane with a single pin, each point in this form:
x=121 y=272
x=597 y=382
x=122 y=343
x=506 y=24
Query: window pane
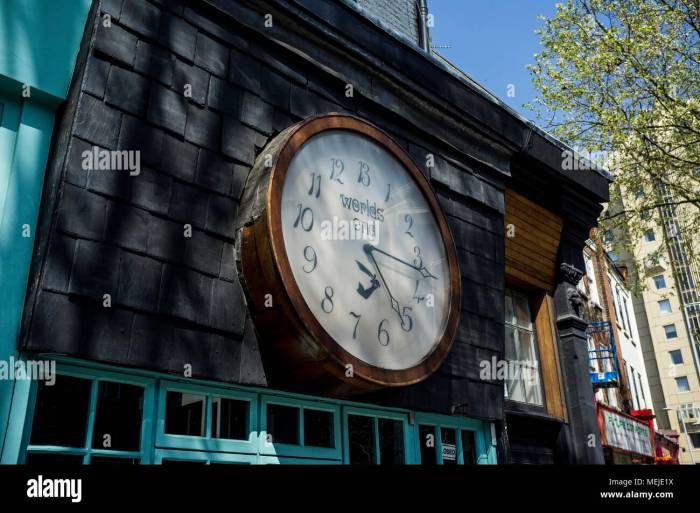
x=523 y=312
x=105 y=460
x=660 y=281
x=428 y=455
x=182 y=462
x=38 y=458
x=118 y=417
x=510 y=310
x=695 y=439
x=533 y=387
x=283 y=424
x=682 y=384
x=525 y=348
x=229 y=418
x=670 y=330
x=60 y=417
x=318 y=428
x=184 y=414
x=449 y=446
x=468 y=448
x=676 y=357
x=510 y=349
x=390 y=441
x=361 y=439
x=665 y=306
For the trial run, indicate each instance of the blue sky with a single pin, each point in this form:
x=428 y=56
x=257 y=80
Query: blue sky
x=492 y=42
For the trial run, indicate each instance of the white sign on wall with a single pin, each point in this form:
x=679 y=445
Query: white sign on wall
x=627 y=434
x=449 y=452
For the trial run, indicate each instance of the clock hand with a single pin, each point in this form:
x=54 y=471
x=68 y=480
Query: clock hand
x=361 y=290
x=394 y=303
x=423 y=270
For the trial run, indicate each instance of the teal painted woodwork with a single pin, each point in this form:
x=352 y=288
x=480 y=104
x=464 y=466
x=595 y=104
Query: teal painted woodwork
x=157 y=445
x=272 y=448
x=39 y=43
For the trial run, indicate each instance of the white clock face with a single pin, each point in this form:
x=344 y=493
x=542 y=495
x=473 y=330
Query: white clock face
x=365 y=249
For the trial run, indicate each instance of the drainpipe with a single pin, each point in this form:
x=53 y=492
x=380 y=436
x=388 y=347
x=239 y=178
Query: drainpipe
x=423 y=42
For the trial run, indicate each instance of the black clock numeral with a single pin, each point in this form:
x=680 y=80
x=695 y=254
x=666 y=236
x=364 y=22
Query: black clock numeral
x=383 y=332
x=406 y=320
x=416 y=296
x=357 y=322
x=418 y=261
x=364 y=177
x=327 y=303
x=409 y=220
x=310 y=256
x=337 y=168
x=315 y=185
x=305 y=217
x=388 y=192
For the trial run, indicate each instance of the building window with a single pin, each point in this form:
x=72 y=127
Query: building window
x=626 y=314
x=375 y=440
x=185 y=414
x=682 y=384
x=695 y=440
x=649 y=236
x=446 y=443
x=523 y=382
x=659 y=282
x=616 y=306
x=633 y=384
x=641 y=390
x=300 y=428
x=671 y=332
x=83 y=419
x=104 y=417
x=665 y=306
x=676 y=357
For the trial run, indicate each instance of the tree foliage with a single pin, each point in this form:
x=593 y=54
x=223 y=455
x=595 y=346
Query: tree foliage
x=621 y=79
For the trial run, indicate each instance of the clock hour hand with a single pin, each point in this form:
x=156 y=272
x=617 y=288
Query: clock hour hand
x=423 y=270
x=367 y=248
x=361 y=290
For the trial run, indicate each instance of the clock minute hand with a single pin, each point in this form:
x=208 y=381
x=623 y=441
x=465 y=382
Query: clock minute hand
x=367 y=248
x=423 y=270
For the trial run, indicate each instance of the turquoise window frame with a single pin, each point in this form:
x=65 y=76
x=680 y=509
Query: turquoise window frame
x=301 y=450
x=156 y=445
x=485 y=450
x=283 y=460
x=207 y=443
x=203 y=456
x=144 y=454
x=376 y=414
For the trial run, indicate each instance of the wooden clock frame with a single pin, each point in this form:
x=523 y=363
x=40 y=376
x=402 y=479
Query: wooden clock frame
x=297 y=351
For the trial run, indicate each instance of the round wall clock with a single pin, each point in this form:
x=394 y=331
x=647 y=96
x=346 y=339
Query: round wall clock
x=347 y=261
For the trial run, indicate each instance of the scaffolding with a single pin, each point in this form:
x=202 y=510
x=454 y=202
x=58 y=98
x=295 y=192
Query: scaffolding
x=602 y=356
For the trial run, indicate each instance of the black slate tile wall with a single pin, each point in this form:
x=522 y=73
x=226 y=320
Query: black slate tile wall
x=139 y=269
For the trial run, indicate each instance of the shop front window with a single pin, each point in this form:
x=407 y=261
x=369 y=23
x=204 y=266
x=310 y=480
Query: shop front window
x=185 y=414
x=113 y=418
x=445 y=441
x=374 y=438
x=523 y=378
x=88 y=419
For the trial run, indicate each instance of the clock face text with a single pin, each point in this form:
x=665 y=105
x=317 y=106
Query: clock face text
x=365 y=249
